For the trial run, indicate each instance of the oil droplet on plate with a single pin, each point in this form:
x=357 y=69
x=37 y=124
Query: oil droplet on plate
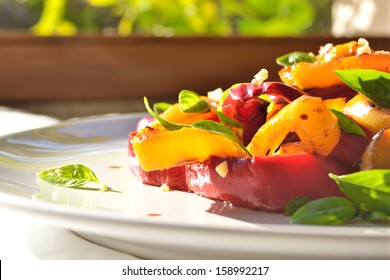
x=154 y=214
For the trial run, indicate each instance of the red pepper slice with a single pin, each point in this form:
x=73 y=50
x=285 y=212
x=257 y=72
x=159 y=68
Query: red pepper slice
x=264 y=183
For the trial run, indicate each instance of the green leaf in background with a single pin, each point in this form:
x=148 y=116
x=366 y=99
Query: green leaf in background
x=374 y=84
x=294 y=204
x=346 y=124
x=161 y=107
x=170 y=18
x=295 y=57
x=190 y=102
x=102 y=3
x=326 y=211
x=370 y=189
x=71 y=176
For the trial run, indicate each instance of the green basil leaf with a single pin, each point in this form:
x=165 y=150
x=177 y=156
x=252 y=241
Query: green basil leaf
x=166 y=124
x=71 y=176
x=190 y=102
x=294 y=204
x=346 y=124
x=295 y=57
x=370 y=189
x=161 y=107
x=376 y=217
x=326 y=211
x=220 y=129
x=374 y=84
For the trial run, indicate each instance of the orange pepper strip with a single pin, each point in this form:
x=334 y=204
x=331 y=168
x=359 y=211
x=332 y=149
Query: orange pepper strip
x=157 y=148
x=319 y=74
x=316 y=126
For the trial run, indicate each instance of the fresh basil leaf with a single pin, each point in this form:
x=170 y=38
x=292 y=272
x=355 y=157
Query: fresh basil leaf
x=71 y=176
x=220 y=129
x=221 y=116
x=294 y=204
x=295 y=57
x=370 y=189
x=166 y=124
x=346 y=124
x=376 y=217
x=190 y=102
x=161 y=107
x=374 y=84
x=214 y=127
x=326 y=211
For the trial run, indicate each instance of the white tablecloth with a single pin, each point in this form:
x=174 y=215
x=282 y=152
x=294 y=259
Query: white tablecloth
x=25 y=239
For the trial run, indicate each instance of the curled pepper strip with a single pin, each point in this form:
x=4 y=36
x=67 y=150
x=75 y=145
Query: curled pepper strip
x=308 y=117
x=158 y=149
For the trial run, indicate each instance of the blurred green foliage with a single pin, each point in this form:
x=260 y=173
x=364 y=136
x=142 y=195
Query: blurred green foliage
x=178 y=17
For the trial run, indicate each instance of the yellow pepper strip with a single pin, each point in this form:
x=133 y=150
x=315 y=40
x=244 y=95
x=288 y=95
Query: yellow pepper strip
x=366 y=114
x=336 y=103
x=316 y=126
x=157 y=148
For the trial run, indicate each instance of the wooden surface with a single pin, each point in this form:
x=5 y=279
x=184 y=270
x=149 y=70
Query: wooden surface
x=71 y=69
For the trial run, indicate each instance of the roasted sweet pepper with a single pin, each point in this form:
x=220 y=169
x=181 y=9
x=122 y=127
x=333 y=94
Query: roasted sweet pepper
x=320 y=74
x=315 y=125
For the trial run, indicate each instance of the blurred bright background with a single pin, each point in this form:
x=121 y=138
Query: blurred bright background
x=166 y=18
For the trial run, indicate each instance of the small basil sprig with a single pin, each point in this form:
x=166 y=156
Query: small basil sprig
x=210 y=126
x=326 y=211
x=165 y=123
x=370 y=189
x=346 y=124
x=73 y=176
x=190 y=102
x=295 y=57
x=374 y=84
x=161 y=107
x=367 y=194
x=294 y=204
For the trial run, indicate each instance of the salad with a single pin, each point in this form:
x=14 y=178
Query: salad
x=275 y=145
x=315 y=145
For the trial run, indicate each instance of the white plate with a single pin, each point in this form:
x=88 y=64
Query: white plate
x=147 y=222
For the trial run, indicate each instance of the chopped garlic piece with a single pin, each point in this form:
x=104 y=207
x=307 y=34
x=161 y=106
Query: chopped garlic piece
x=215 y=95
x=260 y=77
x=363 y=42
x=164 y=188
x=325 y=49
x=222 y=169
x=363 y=50
x=363 y=47
x=382 y=52
x=328 y=57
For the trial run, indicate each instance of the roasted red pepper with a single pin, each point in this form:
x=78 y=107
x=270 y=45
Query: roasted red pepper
x=264 y=183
